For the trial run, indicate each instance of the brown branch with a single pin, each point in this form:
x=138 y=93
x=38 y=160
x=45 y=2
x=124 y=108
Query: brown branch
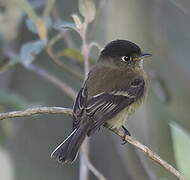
x=149 y=153
x=53 y=110
x=131 y=140
x=37 y=110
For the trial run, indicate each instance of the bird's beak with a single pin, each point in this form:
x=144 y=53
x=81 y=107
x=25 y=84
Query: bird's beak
x=142 y=56
x=145 y=55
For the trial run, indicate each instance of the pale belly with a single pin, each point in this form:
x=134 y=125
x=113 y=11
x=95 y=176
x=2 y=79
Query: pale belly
x=121 y=118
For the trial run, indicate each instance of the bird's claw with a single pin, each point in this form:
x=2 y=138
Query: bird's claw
x=126 y=133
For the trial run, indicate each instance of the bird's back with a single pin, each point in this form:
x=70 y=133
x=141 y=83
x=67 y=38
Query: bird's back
x=100 y=76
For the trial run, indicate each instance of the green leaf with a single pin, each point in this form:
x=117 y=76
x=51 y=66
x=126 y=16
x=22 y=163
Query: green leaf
x=181 y=145
x=29 y=51
x=73 y=54
x=87 y=9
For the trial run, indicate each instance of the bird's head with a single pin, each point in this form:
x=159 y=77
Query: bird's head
x=122 y=54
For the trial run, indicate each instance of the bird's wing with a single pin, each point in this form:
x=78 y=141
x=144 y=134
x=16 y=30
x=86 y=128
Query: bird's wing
x=79 y=106
x=104 y=106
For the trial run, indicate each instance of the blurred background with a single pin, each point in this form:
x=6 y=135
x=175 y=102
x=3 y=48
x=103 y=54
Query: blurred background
x=33 y=51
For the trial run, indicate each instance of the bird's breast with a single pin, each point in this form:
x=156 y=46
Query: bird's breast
x=120 y=119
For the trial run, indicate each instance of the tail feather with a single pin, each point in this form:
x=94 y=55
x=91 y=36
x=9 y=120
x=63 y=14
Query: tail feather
x=67 y=151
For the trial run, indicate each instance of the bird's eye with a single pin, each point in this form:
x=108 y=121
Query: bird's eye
x=125 y=58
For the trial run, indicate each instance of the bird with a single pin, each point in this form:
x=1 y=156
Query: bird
x=114 y=88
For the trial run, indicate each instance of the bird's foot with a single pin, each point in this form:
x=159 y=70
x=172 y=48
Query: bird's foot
x=126 y=133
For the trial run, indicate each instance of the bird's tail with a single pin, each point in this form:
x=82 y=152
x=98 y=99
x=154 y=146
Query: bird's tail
x=67 y=151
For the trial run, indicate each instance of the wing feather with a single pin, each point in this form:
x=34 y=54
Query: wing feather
x=79 y=106
x=107 y=105
x=102 y=107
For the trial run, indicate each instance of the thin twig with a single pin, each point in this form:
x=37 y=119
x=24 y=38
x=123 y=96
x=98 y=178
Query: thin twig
x=149 y=153
x=85 y=147
x=85 y=49
x=57 y=61
x=54 y=80
x=83 y=168
x=131 y=140
x=95 y=44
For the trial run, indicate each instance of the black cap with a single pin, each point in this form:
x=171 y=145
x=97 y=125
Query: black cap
x=120 y=48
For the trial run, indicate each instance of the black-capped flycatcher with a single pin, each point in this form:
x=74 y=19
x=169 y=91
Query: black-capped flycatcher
x=114 y=89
